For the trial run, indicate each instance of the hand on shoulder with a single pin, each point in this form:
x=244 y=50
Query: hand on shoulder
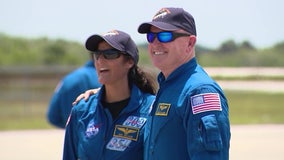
x=86 y=95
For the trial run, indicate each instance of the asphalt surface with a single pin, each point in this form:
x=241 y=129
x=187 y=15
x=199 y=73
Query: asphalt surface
x=259 y=142
x=259 y=86
x=271 y=86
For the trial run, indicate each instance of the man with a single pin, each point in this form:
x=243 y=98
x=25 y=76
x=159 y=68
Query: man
x=189 y=119
x=68 y=89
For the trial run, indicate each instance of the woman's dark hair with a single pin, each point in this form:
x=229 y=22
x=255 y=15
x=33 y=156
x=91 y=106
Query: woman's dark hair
x=144 y=81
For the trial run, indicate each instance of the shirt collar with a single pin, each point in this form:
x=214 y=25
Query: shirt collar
x=187 y=67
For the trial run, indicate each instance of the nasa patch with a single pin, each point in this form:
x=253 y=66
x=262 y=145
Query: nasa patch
x=92 y=129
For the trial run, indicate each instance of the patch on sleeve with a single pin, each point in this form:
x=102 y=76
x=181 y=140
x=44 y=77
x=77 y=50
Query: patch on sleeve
x=93 y=129
x=205 y=102
x=68 y=120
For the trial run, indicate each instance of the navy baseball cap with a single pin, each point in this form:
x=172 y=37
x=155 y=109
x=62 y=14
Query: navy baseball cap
x=170 y=19
x=117 y=39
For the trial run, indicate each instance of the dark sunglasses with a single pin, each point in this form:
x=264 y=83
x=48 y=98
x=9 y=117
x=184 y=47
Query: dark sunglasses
x=165 y=36
x=107 y=54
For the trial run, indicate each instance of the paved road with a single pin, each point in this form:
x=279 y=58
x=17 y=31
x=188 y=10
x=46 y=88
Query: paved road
x=245 y=71
x=258 y=142
x=260 y=86
x=256 y=85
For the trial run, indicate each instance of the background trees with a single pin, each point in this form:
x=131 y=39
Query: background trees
x=18 y=51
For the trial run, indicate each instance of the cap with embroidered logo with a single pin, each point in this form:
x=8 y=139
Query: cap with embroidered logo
x=170 y=19
x=117 y=39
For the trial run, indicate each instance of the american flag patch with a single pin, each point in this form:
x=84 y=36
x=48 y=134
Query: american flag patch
x=205 y=102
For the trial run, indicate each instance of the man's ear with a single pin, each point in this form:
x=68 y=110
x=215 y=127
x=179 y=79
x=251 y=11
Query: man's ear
x=192 y=41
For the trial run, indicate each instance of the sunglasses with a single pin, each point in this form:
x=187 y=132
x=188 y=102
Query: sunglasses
x=164 y=36
x=107 y=54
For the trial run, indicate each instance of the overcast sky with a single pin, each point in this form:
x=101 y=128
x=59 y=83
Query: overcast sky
x=258 y=21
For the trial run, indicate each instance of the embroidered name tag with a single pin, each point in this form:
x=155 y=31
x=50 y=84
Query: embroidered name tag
x=118 y=144
x=134 y=121
x=163 y=109
x=126 y=132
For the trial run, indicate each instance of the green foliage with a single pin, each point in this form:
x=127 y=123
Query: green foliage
x=44 y=51
x=41 y=51
x=228 y=47
x=230 y=54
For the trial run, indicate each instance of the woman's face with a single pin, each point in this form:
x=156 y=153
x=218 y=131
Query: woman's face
x=112 y=71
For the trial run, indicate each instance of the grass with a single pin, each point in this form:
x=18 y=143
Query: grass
x=255 y=107
x=245 y=108
x=23 y=115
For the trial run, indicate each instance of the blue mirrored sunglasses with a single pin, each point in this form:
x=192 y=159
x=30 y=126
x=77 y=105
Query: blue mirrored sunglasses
x=165 y=36
x=107 y=54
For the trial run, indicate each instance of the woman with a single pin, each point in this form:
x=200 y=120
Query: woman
x=110 y=125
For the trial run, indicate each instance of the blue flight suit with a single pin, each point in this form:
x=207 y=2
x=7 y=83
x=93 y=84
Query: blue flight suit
x=189 y=119
x=70 y=87
x=92 y=133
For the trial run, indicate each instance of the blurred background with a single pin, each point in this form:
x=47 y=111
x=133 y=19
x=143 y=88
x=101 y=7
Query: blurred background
x=240 y=44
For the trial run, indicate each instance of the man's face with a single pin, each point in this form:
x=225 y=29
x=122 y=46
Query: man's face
x=169 y=56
